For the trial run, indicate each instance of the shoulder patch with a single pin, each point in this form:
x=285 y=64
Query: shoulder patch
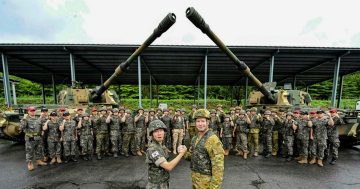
x=155 y=154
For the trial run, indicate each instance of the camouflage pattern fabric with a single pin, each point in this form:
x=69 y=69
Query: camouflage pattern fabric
x=215 y=125
x=167 y=121
x=33 y=143
x=53 y=139
x=129 y=136
x=227 y=135
x=267 y=126
x=333 y=137
x=289 y=134
x=320 y=132
x=86 y=137
x=303 y=135
x=158 y=177
x=242 y=128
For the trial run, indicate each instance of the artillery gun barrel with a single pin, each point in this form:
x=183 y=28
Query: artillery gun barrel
x=200 y=23
x=164 y=25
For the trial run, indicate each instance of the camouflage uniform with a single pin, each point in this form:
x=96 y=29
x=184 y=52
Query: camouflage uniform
x=101 y=135
x=158 y=177
x=129 y=136
x=333 y=137
x=192 y=127
x=253 y=137
x=140 y=133
x=303 y=134
x=115 y=136
x=289 y=136
x=86 y=137
x=275 y=134
x=53 y=139
x=242 y=129
x=207 y=161
x=320 y=132
x=167 y=121
x=177 y=131
x=215 y=124
x=267 y=127
x=44 y=144
x=93 y=119
x=150 y=119
x=69 y=138
x=227 y=135
x=32 y=129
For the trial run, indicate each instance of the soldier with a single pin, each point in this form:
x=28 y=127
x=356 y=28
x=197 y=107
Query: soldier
x=206 y=154
x=129 y=133
x=178 y=129
x=253 y=137
x=159 y=113
x=220 y=112
x=68 y=137
x=192 y=127
x=333 y=135
x=282 y=137
x=121 y=133
x=275 y=132
x=303 y=133
x=114 y=120
x=51 y=126
x=157 y=157
x=237 y=110
x=312 y=142
x=32 y=129
x=186 y=138
x=226 y=133
x=320 y=125
x=93 y=118
x=267 y=125
x=234 y=116
x=241 y=130
x=44 y=145
x=290 y=127
x=140 y=124
x=77 y=117
x=151 y=117
x=215 y=122
x=101 y=132
x=86 y=137
x=166 y=119
x=61 y=111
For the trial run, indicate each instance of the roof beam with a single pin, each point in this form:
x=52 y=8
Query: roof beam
x=265 y=60
x=201 y=67
x=148 y=69
x=82 y=59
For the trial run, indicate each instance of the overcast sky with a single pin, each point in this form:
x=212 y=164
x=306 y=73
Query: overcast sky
x=264 y=23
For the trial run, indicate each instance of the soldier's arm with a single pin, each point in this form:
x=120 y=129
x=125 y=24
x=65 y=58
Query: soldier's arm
x=331 y=121
x=216 y=154
x=171 y=165
x=45 y=127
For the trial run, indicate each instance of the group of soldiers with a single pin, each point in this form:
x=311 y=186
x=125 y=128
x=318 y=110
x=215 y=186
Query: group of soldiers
x=59 y=136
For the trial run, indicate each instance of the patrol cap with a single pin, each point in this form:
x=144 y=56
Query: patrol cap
x=227 y=116
x=146 y=110
x=289 y=114
x=242 y=112
x=103 y=109
x=85 y=115
x=115 y=110
x=333 y=110
x=121 y=109
x=31 y=109
x=152 y=110
x=165 y=110
x=66 y=114
x=127 y=111
x=320 y=112
x=296 y=112
x=62 y=109
x=194 y=106
x=159 y=109
x=212 y=111
x=44 y=109
x=238 y=108
x=140 y=108
x=253 y=109
x=267 y=112
x=202 y=113
x=177 y=110
x=281 y=110
x=304 y=113
x=80 y=108
x=182 y=110
x=53 y=114
x=232 y=109
x=93 y=109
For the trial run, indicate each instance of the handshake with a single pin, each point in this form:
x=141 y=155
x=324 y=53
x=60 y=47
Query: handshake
x=182 y=149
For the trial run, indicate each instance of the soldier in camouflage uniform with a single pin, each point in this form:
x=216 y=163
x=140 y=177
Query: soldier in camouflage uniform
x=282 y=137
x=151 y=117
x=267 y=127
x=241 y=130
x=32 y=129
x=93 y=118
x=129 y=133
x=215 y=122
x=220 y=113
x=333 y=136
x=85 y=127
x=226 y=134
x=68 y=137
x=289 y=132
x=320 y=125
x=166 y=119
x=303 y=133
x=53 y=138
x=253 y=136
x=187 y=138
x=140 y=124
x=206 y=154
x=233 y=117
x=275 y=132
x=121 y=133
x=42 y=119
x=77 y=117
x=192 y=127
x=113 y=120
x=312 y=142
x=178 y=130
x=101 y=131
x=157 y=157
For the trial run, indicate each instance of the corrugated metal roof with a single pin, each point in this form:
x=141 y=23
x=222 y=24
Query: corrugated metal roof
x=176 y=64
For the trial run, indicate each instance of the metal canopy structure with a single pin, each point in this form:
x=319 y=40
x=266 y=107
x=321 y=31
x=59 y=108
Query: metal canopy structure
x=172 y=65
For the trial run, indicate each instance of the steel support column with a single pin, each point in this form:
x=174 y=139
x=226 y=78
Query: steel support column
x=271 y=71
x=205 y=80
x=54 y=88
x=150 y=91
x=246 y=90
x=6 y=80
x=101 y=79
x=157 y=95
x=335 y=81
x=294 y=82
x=14 y=92
x=43 y=93
x=72 y=70
x=340 y=92
x=198 y=92
x=139 y=78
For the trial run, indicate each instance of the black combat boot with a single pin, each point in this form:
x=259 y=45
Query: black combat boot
x=289 y=158
x=333 y=161
x=98 y=157
x=85 y=157
x=74 y=159
x=89 y=157
x=66 y=159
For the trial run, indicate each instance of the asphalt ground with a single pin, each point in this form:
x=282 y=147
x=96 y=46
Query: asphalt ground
x=131 y=172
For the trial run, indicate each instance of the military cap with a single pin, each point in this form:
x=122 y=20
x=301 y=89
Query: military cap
x=237 y=108
x=242 y=112
x=253 y=109
x=320 y=112
x=157 y=109
x=44 y=109
x=182 y=110
x=62 y=109
x=115 y=110
x=31 y=108
x=212 y=111
x=94 y=109
x=274 y=110
x=127 y=111
x=53 y=114
x=202 y=113
x=227 y=116
x=66 y=114
x=281 y=110
x=304 y=113
x=121 y=109
x=289 y=114
x=333 y=110
x=232 y=109
x=165 y=110
x=146 y=110
x=156 y=124
x=85 y=115
x=193 y=106
x=103 y=109
x=80 y=108
x=219 y=105
x=296 y=111
x=140 y=108
x=267 y=112
x=312 y=112
x=152 y=110
x=171 y=108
